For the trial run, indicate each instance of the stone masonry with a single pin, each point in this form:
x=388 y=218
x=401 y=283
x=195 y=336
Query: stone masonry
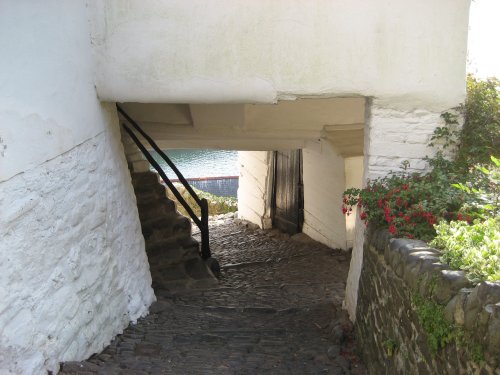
x=403 y=287
x=173 y=255
x=276 y=310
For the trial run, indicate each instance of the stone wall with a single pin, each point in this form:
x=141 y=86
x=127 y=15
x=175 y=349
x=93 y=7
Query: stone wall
x=403 y=289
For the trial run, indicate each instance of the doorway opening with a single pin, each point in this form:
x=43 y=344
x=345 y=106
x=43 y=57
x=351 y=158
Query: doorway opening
x=287 y=203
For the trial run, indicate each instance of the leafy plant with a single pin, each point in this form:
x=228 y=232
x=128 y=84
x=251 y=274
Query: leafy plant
x=480 y=136
x=431 y=316
x=484 y=192
x=473 y=248
x=390 y=347
x=440 y=332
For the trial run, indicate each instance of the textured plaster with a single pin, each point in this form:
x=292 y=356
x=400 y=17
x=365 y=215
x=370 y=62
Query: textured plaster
x=74 y=271
x=408 y=53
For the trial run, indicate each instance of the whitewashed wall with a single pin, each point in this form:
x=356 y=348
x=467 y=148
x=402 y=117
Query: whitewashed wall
x=353 y=179
x=324 y=182
x=254 y=191
x=406 y=52
x=73 y=272
x=391 y=136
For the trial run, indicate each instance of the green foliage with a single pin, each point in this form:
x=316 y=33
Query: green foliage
x=480 y=136
x=438 y=330
x=461 y=187
x=216 y=205
x=390 y=347
x=483 y=193
x=473 y=248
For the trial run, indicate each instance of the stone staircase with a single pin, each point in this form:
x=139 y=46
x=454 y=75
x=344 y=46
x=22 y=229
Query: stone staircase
x=174 y=257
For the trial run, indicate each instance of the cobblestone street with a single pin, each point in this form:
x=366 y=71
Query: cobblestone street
x=277 y=310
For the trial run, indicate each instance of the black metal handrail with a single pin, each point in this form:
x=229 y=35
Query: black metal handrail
x=202 y=222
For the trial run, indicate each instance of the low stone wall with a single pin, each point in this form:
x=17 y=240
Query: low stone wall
x=226 y=186
x=416 y=316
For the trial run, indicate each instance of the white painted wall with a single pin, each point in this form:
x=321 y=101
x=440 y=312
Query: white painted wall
x=324 y=182
x=74 y=271
x=48 y=102
x=407 y=53
x=353 y=179
x=254 y=191
x=391 y=136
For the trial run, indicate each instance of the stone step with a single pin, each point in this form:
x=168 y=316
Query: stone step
x=145 y=178
x=145 y=188
x=166 y=226
x=192 y=273
x=173 y=255
x=186 y=242
x=160 y=257
x=150 y=196
x=155 y=209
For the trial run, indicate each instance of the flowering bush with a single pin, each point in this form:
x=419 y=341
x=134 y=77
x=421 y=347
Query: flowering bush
x=461 y=189
x=408 y=205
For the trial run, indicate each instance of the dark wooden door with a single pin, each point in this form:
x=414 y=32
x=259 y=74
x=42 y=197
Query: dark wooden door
x=288 y=197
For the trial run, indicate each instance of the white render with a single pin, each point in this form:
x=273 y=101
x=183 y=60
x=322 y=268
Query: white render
x=390 y=137
x=411 y=54
x=324 y=182
x=353 y=179
x=74 y=271
x=254 y=191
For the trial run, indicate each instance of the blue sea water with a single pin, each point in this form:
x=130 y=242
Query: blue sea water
x=201 y=163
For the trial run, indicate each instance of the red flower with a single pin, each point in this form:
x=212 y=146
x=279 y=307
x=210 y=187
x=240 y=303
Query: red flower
x=362 y=215
x=406 y=218
x=405 y=187
x=344 y=210
x=392 y=229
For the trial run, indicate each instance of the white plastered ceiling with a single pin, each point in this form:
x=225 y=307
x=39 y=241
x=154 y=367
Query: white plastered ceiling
x=286 y=125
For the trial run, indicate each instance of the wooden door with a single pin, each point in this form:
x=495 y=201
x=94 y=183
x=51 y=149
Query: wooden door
x=288 y=197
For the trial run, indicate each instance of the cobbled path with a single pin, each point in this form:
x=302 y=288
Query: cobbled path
x=277 y=310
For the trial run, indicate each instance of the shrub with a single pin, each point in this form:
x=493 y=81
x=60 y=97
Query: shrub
x=473 y=248
x=407 y=204
x=480 y=135
x=463 y=187
x=216 y=205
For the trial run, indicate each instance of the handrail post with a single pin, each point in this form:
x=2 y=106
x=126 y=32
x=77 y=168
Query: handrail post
x=205 y=244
